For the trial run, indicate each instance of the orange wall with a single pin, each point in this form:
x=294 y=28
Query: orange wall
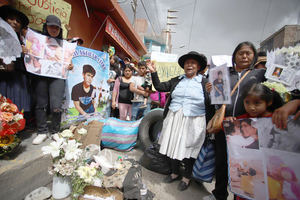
x=84 y=27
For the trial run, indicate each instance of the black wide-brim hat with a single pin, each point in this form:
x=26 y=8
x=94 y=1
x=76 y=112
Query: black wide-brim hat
x=200 y=58
x=6 y=11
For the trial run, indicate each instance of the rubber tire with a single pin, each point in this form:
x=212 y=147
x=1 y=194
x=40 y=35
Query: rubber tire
x=153 y=119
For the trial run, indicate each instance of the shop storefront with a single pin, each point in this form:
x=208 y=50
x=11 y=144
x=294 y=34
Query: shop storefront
x=98 y=23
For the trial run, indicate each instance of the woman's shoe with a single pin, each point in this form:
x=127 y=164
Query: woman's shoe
x=183 y=186
x=169 y=179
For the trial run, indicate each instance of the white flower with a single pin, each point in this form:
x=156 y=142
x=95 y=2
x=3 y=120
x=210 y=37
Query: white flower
x=82 y=131
x=53 y=148
x=66 y=133
x=86 y=173
x=17 y=117
x=71 y=150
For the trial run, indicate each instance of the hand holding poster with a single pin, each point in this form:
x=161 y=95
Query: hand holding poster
x=219 y=78
x=263 y=160
x=87 y=88
x=48 y=56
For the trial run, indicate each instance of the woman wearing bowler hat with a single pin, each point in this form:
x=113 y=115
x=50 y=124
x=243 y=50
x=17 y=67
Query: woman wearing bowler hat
x=184 y=125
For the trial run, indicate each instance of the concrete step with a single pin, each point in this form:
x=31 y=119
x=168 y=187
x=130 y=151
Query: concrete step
x=24 y=170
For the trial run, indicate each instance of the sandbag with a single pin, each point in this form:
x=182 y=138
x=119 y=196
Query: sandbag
x=119 y=134
x=155 y=161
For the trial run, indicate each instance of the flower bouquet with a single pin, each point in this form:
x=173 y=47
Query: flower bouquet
x=11 y=122
x=71 y=161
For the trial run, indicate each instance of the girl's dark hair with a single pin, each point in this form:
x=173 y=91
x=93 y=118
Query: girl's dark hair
x=265 y=94
x=239 y=46
x=45 y=32
x=127 y=66
x=220 y=72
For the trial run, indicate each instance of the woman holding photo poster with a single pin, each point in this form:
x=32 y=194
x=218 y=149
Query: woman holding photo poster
x=184 y=125
x=243 y=59
x=49 y=90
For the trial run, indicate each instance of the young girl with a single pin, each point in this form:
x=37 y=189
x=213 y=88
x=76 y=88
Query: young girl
x=259 y=101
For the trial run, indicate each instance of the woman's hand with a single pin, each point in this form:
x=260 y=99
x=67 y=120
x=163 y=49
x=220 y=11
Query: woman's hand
x=231 y=119
x=208 y=87
x=151 y=66
x=146 y=94
x=70 y=67
x=111 y=80
x=24 y=49
x=280 y=115
x=113 y=104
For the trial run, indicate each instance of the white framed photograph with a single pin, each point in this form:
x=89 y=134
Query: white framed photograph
x=219 y=78
x=280 y=73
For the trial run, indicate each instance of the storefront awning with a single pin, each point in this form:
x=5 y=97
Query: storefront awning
x=114 y=32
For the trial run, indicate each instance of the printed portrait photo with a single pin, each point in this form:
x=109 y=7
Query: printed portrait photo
x=274 y=138
x=283 y=175
x=35 y=43
x=219 y=79
x=53 y=49
x=33 y=64
x=241 y=133
x=247 y=176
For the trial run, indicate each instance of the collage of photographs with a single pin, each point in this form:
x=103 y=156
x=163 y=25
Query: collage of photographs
x=53 y=54
x=263 y=159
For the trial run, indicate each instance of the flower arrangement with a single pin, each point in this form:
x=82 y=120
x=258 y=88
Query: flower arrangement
x=11 y=122
x=65 y=154
x=85 y=175
x=70 y=160
x=280 y=88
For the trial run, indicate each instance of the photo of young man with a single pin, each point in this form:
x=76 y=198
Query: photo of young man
x=83 y=94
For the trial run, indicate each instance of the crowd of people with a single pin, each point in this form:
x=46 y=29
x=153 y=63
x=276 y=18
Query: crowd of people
x=187 y=109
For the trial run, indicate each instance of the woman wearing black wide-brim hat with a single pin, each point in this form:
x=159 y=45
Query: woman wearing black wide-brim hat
x=13 y=77
x=184 y=125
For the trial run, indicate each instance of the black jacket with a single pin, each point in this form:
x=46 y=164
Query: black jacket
x=170 y=85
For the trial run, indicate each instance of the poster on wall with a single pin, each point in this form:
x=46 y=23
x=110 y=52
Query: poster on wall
x=86 y=89
x=48 y=56
x=263 y=160
x=166 y=65
x=38 y=10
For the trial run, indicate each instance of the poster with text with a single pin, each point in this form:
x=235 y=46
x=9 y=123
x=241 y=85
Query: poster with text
x=48 y=56
x=166 y=65
x=263 y=160
x=38 y=10
x=86 y=89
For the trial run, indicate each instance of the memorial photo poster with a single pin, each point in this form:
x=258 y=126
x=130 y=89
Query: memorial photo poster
x=263 y=160
x=283 y=65
x=48 y=56
x=219 y=78
x=87 y=89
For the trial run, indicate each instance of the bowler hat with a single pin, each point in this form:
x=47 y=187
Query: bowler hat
x=200 y=58
x=52 y=20
x=7 y=11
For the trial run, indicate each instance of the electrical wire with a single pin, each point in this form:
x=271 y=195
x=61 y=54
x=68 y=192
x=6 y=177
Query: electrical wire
x=156 y=10
x=148 y=18
x=265 y=22
x=192 y=23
